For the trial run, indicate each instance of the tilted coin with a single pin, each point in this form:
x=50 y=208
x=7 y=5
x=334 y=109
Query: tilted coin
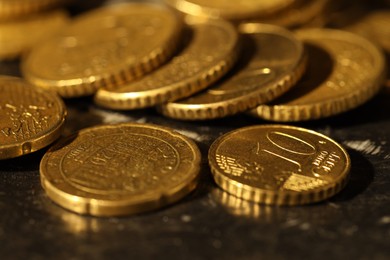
x=209 y=54
x=12 y=9
x=120 y=169
x=271 y=62
x=300 y=13
x=30 y=118
x=278 y=164
x=344 y=71
x=19 y=36
x=105 y=47
x=239 y=9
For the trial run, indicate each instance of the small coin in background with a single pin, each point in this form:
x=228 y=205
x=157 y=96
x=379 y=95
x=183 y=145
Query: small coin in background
x=210 y=52
x=271 y=62
x=105 y=47
x=344 y=71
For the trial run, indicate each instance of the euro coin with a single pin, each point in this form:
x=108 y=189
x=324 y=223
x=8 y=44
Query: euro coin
x=122 y=169
x=234 y=10
x=14 y=40
x=105 y=47
x=344 y=71
x=18 y=9
x=30 y=118
x=209 y=54
x=279 y=165
x=272 y=60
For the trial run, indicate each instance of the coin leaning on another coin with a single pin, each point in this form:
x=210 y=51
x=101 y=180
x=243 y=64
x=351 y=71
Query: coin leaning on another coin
x=279 y=164
x=210 y=52
x=80 y=60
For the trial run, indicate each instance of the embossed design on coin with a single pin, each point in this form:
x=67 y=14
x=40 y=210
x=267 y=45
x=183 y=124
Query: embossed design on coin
x=351 y=71
x=277 y=164
x=106 y=47
x=30 y=119
x=210 y=52
x=271 y=62
x=120 y=169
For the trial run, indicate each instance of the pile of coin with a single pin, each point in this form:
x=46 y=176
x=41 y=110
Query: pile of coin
x=191 y=63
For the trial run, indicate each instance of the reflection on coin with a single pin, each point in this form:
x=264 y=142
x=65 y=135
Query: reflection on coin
x=209 y=54
x=238 y=9
x=276 y=164
x=30 y=118
x=271 y=62
x=350 y=72
x=11 y=9
x=120 y=169
x=106 y=47
x=300 y=13
x=15 y=40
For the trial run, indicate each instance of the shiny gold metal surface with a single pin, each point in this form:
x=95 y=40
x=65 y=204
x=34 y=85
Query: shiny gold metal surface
x=375 y=26
x=278 y=164
x=30 y=118
x=112 y=170
x=12 y=9
x=271 y=62
x=302 y=12
x=105 y=47
x=344 y=71
x=238 y=9
x=209 y=54
x=19 y=36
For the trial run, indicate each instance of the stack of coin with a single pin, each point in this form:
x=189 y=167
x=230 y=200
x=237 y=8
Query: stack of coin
x=25 y=23
x=216 y=59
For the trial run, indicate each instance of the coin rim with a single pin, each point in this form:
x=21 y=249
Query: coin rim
x=238 y=104
x=336 y=105
x=17 y=149
x=177 y=90
x=131 y=204
x=269 y=197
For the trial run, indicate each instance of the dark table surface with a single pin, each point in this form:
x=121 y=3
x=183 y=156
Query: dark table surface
x=209 y=223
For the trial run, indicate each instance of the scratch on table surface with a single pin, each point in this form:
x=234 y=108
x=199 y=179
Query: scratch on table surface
x=365 y=146
x=193 y=135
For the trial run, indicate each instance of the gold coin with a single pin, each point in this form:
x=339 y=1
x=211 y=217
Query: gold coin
x=375 y=26
x=15 y=40
x=239 y=9
x=209 y=54
x=30 y=118
x=271 y=62
x=344 y=71
x=106 y=47
x=300 y=13
x=120 y=169
x=11 y=9
x=277 y=164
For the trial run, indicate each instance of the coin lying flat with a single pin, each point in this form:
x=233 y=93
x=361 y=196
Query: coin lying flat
x=11 y=9
x=14 y=40
x=30 y=118
x=120 y=169
x=278 y=164
x=271 y=62
x=105 y=47
x=209 y=54
x=351 y=71
x=229 y=9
